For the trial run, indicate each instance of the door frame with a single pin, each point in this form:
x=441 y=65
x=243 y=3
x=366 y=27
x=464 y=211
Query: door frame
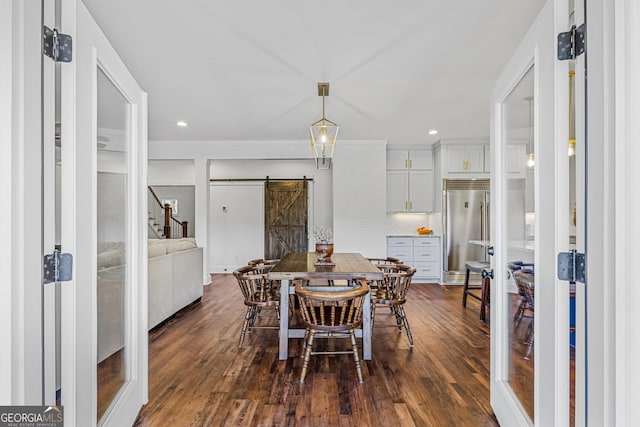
x=551 y=367
x=623 y=236
x=79 y=225
x=21 y=370
x=613 y=342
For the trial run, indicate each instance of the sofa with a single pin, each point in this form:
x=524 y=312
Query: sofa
x=174 y=282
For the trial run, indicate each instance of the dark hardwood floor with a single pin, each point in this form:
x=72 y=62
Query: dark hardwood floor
x=198 y=376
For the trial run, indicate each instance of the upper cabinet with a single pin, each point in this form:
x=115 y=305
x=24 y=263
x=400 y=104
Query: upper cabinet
x=418 y=159
x=458 y=159
x=409 y=180
x=516 y=159
x=467 y=158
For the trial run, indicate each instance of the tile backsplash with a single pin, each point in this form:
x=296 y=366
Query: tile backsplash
x=406 y=223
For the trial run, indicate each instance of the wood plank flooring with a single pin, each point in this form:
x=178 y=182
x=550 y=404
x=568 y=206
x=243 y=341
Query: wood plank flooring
x=198 y=376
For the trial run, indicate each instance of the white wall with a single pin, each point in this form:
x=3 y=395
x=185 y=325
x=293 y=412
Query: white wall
x=360 y=197
x=171 y=172
x=237 y=230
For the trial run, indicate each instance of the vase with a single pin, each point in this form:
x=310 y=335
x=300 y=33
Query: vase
x=324 y=251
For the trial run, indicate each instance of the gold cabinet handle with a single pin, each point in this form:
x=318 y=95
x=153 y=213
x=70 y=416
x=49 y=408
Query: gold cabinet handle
x=410 y=164
x=406 y=164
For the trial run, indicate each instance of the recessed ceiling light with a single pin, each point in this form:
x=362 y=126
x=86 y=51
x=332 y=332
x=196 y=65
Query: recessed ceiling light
x=433 y=132
x=181 y=123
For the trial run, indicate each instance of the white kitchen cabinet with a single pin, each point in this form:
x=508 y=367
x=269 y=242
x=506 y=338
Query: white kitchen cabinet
x=458 y=159
x=516 y=159
x=420 y=252
x=409 y=191
x=409 y=180
x=404 y=159
x=465 y=159
x=529 y=201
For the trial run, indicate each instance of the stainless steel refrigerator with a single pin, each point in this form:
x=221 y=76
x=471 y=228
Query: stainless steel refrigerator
x=465 y=217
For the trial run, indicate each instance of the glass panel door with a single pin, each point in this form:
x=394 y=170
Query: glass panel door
x=529 y=305
x=112 y=237
x=519 y=229
x=103 y=214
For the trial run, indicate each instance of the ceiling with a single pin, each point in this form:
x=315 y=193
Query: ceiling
x=248 y=69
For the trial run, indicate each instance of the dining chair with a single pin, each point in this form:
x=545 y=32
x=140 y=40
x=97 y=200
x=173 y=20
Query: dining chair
x=393 y=294
x=525 y=302
x=387 y=265
x=525 y=282
x=331 y=312
x=260 y=297
x=385 y=261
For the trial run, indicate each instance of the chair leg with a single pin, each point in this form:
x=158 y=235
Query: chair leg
x=398 y=315
x=356 y=358
x=248 y=317
x=307 y=355
x=485 y=299
x=517 y=317
x=403 y=316
x=465 y=288
x=529 y=340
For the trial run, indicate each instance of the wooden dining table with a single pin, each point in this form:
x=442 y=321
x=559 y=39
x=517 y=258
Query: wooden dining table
x=302 y=265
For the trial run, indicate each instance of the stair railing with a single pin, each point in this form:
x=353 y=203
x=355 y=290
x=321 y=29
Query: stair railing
x=173 y=228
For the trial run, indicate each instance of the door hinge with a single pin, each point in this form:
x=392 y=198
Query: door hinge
x=571 y=266
x=56 y=46
x=571 y=44
x=58 y=267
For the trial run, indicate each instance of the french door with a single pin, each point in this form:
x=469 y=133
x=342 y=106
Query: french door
x=531 y=224
x=103 y=156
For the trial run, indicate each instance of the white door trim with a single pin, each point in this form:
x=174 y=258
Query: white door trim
x=79 y=226
x=7 y=45
x=627 y=227
x=20 y=187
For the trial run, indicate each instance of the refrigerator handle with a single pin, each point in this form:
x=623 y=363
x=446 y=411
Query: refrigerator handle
x=482 y=237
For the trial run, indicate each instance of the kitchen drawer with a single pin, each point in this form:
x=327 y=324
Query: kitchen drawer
x=426 y=254
x=426 y=241
x=400 y=241
x=427 y=269
x=404 y=254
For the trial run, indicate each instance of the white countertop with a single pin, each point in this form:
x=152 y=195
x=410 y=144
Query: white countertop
x=413 y=235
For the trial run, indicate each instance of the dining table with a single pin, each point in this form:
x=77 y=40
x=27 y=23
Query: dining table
x=305 y=266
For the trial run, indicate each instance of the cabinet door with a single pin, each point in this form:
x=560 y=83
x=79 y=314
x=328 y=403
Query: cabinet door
x=397 y=159
x=420 y=159
x=421 y=191
x=466 y=158
x=397 y=191
x=516 y=160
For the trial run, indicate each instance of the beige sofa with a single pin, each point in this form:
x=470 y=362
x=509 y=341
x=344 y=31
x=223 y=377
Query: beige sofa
x=175 y=281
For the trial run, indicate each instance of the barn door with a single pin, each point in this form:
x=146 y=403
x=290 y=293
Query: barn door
x=286 y=215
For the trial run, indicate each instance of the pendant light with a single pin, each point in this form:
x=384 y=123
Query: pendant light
x=572 y=115
x=323 y=134
x=531 y=160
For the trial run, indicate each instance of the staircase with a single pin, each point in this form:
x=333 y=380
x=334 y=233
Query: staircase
x=171 y=227
x=155 y=230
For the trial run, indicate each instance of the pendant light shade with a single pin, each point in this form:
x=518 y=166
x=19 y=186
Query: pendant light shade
x=531 y=160
x=323 y=134
x=572 y=115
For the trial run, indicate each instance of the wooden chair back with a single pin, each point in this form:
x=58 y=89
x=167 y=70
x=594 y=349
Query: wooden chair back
x=328 y=308
x=255 y=287
x=396 y=285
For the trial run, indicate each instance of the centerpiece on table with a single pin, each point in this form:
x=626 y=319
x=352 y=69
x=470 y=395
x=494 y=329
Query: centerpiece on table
x=324 y=244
